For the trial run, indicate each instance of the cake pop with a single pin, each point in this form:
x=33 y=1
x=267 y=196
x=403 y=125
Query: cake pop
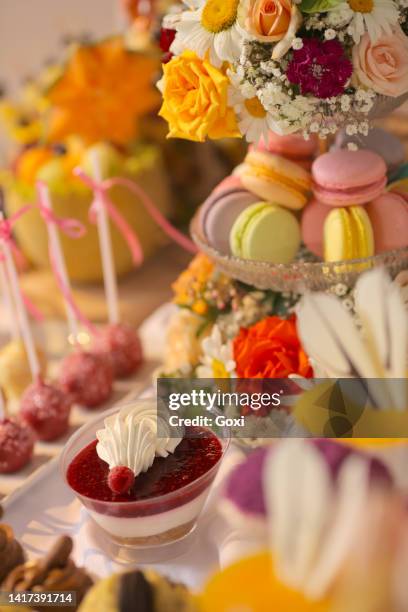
x=46 y=409
x=121 y=344
x=87 y=377
x=16 y=445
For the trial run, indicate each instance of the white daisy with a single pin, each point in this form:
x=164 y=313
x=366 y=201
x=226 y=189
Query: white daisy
x=217 y=360
x=254 y=120
x=372 y=16
x=211 y=28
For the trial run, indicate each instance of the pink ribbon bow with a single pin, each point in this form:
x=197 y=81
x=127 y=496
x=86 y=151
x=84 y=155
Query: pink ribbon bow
x=100 y=190
x=6 y=234
x=73 y=228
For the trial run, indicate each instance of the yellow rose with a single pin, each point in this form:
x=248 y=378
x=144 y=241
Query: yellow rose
x=195 y=100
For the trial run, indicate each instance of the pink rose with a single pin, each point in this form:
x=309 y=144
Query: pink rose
x=383 y=65
x=268 y=20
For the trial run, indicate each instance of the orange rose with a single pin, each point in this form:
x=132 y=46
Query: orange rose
x=270 y=349
x=268 y=20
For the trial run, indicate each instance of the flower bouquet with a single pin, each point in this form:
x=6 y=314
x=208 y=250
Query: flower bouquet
x=245 y=67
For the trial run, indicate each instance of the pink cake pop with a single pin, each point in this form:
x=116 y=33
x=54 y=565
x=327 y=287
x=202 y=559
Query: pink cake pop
x=16 y=445
x=121 y=344
x=46 y=409
x=87 y=377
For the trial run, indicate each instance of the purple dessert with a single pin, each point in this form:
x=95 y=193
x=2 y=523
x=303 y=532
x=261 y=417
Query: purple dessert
x=244 y=489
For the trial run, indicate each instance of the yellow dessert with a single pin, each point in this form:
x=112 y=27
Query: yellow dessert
x=251 y=585
x=138 y=590
x=15 y=375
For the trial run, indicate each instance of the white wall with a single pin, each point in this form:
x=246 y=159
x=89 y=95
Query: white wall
x=31 y=30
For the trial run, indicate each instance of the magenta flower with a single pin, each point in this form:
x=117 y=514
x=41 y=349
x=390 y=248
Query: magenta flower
x=320 y=68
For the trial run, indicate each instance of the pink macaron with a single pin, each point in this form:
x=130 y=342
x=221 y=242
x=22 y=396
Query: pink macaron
x=313 y=218
x=389 y=218
x=292 y=146
x=348 y=178
x=221 y=209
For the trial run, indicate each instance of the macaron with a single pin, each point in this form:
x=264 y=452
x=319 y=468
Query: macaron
x=348 y=178
x=219 y=212
x=348 y=234
x=275 y=179
x=400 y=187
x=389 y=218
x=386 y=145
x=230 y=183
x=313 y=218
x=291 y=146
x=400 y=174
x=265 y=232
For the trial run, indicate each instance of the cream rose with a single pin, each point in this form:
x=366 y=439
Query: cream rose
x=383 y=65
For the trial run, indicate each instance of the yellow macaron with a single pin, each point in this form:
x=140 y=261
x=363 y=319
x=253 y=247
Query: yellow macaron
x=275 y=179
x=348 y=234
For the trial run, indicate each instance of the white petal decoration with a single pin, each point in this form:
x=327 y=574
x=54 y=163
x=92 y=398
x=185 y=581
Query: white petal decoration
x=378 y=351
x=312 y=522
x=329 y=335
x=298 y=495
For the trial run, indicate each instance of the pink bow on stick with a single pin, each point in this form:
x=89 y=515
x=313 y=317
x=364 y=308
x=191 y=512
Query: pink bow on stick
x=74 y=229
x=100 y=190
x=6 y=234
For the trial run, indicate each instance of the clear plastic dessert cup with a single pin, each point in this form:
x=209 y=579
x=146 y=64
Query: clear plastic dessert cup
x=147 y=523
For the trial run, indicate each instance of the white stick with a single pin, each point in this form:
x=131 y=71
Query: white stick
x=21 y=311
x=105 y=245
x=55 y=247
x=8 y=303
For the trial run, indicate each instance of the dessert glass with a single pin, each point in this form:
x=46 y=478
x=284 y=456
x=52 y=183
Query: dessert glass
x=147 y=523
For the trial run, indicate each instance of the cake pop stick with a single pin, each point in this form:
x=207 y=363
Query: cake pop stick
x=20 y=309
x=8 y=302
x=57 y=254
x=109 y=275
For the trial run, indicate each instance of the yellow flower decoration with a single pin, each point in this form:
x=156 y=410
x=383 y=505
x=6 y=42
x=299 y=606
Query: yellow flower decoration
x=191 y=283
x=21 y=125
x=195 y=100
x=103 y=92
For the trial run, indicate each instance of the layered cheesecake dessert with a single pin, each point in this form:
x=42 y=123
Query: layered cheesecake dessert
x=140 y=484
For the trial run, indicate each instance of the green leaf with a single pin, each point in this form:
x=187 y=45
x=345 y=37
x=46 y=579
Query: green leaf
x=318 y=6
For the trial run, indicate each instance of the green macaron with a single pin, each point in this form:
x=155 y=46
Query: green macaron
x=265 y=232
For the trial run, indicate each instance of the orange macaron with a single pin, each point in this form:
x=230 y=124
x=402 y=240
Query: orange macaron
x=275 y=179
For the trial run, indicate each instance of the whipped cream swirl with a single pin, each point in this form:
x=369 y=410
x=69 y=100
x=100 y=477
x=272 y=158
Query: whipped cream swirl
x=130 y=437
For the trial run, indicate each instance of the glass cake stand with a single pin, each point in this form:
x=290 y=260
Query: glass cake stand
x=299 y=276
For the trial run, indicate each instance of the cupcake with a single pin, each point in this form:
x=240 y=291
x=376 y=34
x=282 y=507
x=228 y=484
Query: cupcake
x=244 y=501
x=336 y=538
x=55 y=572
x=138 y=590
x=11 y=552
